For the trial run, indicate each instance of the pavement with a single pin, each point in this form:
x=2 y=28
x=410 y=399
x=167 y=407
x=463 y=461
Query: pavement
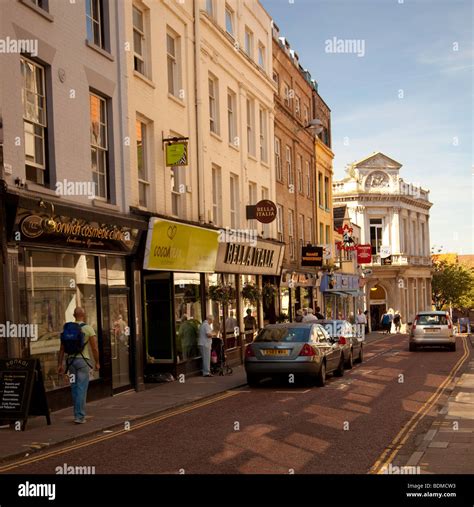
x=448 y=446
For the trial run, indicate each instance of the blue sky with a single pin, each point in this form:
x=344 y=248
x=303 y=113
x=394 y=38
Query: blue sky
x=409 y=46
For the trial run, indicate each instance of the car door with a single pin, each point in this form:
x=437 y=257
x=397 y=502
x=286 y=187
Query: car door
x=350 y=332
x=331 y=349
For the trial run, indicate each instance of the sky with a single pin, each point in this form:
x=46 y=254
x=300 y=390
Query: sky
x=406 y=91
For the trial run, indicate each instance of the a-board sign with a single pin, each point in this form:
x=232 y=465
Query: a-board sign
x=22 y=391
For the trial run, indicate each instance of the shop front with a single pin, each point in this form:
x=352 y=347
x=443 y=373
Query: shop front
x=66 y=257
x=341 y=296
x=296 y=293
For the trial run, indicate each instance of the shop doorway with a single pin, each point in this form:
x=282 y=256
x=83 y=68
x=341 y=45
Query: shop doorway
x=158 y=318
x=120 y=338
x=378 y=306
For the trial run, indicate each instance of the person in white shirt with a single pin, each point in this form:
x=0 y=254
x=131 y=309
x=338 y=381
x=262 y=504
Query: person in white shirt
x=310 y=317
x=361 y=318
x=206 y=333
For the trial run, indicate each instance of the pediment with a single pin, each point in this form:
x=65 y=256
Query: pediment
x=377 y=161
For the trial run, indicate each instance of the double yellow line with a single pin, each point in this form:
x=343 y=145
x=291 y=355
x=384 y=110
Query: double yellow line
x=119 y=433
x=397 y=443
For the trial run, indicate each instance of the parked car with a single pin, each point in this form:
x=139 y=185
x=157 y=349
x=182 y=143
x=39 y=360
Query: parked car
x=432 y=328
x=347 y=336
x=292 y=348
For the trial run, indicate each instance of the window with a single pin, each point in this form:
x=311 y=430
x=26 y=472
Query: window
x=95 y=22
x=229 y=20
x=309 y=193
x=210 y=8
x=301 y=231
x=279 y=175
x=263 y=135
x=248 y=42
x=99 y=144
x=289 y=168
x=232 y=118
x=265 y=227
x=287 y=95
x=299 y=171
x=276 y=80
x=320 y=189
x=279 y=222
x=321 y=233
x=261 y=55
x=375 y=234
x=172 y=50
x=328 y=235
x=138 y=41
x=142 y=168
x=42 y=4
x=297 y=106
x=216 y=196
x=234 y=201
x=175 y=191
x=310 y=231
x=252 y=200
x=251 y=126
x=213 y=105
x=305 y=114
x=326 y=192
x=34 y=121
x=291 y=233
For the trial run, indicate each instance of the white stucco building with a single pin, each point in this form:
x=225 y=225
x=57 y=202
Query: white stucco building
x=394 y=219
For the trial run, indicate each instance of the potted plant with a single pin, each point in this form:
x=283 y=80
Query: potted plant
x=221 y=293
x=251 y=293
x=269 y=292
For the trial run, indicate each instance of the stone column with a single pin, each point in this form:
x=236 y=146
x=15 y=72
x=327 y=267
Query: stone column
x=395 y=231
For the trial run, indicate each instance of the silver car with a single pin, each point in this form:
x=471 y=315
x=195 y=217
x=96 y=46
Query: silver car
x=432 y=328
x=298 y=349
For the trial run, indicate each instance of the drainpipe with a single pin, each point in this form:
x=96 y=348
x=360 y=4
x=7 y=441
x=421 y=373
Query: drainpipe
x=198 y=98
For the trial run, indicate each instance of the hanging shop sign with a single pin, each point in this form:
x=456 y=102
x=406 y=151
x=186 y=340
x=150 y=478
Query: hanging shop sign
x=70 y=232
x=347 y=242
x=262 y=258
x=327 y=251
x=176 y=150
x=385 y=251
x=312 y=256
x=265 y=211
x=364 y=254
x=339 y=283
x=173 y=246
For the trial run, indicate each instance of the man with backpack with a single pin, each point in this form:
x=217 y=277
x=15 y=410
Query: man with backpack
x=75 y=341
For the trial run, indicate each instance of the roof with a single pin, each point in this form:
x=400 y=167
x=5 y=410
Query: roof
x=375 y=154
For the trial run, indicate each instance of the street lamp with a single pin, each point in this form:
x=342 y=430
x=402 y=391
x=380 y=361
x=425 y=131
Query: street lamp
x=316 y=126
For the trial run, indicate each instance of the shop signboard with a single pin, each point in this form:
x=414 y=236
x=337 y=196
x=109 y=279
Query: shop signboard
x=265 y=211
x=177 y=154
x=364 y=254
x=312 y=256
x=173 y=246
x=70 y=232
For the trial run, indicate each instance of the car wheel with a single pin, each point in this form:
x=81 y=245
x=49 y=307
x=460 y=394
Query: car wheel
x=321 y=378
x=452 y=347
x=350 y=361
x=253 y=380
x=412 y=347
x=361 y=354
x=340 y=369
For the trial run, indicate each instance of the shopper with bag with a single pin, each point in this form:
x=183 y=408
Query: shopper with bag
x=77 y=339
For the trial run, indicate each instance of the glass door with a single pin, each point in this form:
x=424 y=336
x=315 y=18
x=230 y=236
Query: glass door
x=120 y=337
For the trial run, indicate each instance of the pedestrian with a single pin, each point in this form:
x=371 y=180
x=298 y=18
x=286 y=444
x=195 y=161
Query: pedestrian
x=318 y=314
x=386 y=322
x=188 y=335
x=361 y=320
x=230 y=325
x=250 y=326
x=77 y=340
x=206 y=333
x=366 y=313
x=310 y=317
x=299 y=316
x=397 y=321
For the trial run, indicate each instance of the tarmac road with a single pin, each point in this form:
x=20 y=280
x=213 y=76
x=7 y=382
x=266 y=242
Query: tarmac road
x=348 y=426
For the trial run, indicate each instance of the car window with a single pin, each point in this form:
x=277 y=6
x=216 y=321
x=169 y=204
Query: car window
x=323 y=335
x=432 y=320
x=283 y=334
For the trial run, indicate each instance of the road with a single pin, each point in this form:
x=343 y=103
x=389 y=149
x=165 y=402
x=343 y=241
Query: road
x=348 y=426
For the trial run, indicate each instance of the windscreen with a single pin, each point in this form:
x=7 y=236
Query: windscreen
x=432 y=320
x=283 y=334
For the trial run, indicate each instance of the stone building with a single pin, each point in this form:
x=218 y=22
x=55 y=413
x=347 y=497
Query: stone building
x=394 y=220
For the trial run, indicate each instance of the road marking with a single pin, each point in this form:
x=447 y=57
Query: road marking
x=403 y=435
x=102 y=438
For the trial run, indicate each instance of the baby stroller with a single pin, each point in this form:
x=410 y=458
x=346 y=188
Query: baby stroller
x=219 y=365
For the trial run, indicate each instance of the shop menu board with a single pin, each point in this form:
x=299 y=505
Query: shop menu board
x=22 y=391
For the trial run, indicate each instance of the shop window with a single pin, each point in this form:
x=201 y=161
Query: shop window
x=55 y=284
x=188 y=317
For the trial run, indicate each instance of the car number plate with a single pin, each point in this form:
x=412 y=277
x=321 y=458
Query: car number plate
x=428 y=330
x=276 y=352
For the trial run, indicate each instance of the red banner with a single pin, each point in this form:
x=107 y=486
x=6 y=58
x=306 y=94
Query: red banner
x=364 y=254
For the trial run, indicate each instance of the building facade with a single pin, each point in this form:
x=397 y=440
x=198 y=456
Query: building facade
x=394 y=219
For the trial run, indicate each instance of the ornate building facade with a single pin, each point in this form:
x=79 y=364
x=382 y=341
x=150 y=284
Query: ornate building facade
x=394 y=220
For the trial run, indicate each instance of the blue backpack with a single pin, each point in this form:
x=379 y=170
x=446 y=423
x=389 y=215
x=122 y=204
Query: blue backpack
x=72 y=338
